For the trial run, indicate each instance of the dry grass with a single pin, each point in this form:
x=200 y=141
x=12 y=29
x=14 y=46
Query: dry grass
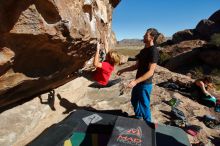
x=128 y=50
x=164 y=57
x=215 y=39
x=215 y=74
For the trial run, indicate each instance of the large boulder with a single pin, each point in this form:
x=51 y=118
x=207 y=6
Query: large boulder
x=206 y=28
x=183 y=35
x=203 y=30
x=215 y=17
x=44 y=41
x=206 y=55
x=112 y=40
x=188 y=48
x=182 y=47
x=210 y=56
x=160 y=39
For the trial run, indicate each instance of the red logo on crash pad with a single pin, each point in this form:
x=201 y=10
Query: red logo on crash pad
x=131 y=136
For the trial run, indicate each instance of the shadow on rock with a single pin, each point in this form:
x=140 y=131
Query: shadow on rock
x=215 y=140
x=50 y=100
x=69 y=106
x=110 y=83
x=167 y=114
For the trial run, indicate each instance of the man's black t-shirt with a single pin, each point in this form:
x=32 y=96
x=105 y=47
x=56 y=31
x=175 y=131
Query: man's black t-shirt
x=145 y=57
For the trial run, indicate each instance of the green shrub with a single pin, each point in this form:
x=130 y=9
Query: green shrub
x=218 y=87
x=216 y=76
x=217 y=83
x=198 y=72
x=164 y=57
x=128 y=50
x=215 y=72
x=215 y=39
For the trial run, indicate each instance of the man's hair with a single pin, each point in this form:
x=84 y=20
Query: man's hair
x=113 y=58
x=153 y=32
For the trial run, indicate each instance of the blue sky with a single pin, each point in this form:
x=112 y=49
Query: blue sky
x=131 y=18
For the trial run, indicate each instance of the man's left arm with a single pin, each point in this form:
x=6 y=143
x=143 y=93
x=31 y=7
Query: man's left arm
x=147 y=75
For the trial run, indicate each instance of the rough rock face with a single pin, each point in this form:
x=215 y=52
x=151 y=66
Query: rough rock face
x=190 y=54
x=182 y=47
x=172 y=56
x=206 y=28
x=206 y=55
x=43 y=41
x=112 y=41
x=210 y=56
x=160 y=39
x=215 y=17
x=184 y=35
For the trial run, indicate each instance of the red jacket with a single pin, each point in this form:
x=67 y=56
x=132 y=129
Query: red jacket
x=103 y=74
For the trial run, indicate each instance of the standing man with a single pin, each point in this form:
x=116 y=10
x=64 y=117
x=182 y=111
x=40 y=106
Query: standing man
x=142 y=86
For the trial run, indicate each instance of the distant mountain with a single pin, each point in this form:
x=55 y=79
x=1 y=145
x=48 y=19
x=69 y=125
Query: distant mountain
x=133 y=42
x=130 y=42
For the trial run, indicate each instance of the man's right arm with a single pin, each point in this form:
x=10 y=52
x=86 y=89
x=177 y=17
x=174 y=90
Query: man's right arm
x=130 y=68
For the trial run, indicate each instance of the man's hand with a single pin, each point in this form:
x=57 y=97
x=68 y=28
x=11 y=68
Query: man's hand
x=132 y=84
x=120 y=72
